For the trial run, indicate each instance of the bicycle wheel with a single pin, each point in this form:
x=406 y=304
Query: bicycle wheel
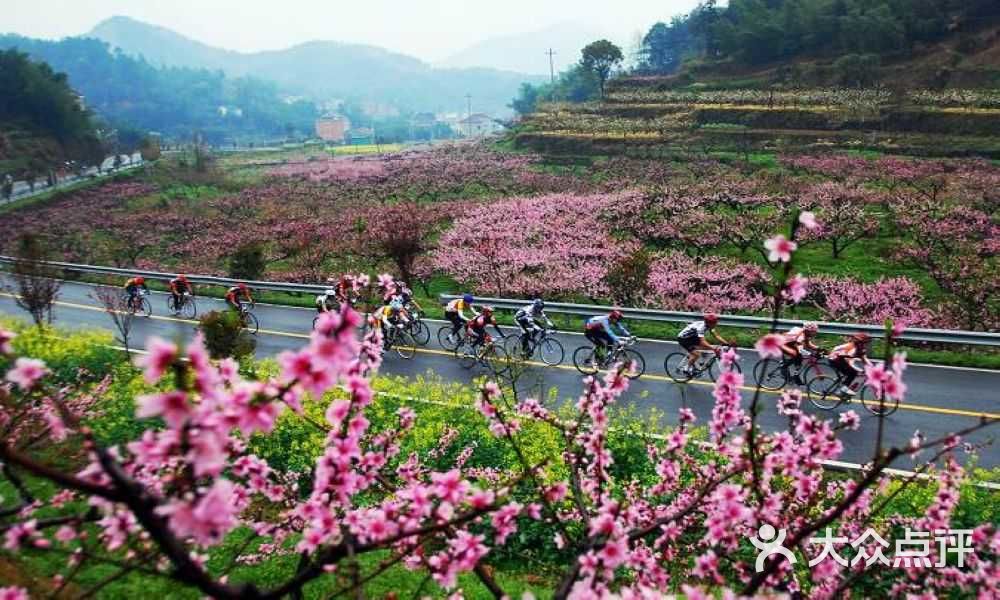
x=551 y=351
x=630 y=356
x=584 y=361
x=823 y=391
x=495 y=359
x=421 y=332
x=674 y=365
x=189 y=309
x=874 y=406
x=404 y=344
x=170 y=304
x=466 y=354
x=811 y=371
x=145 y=308
x=250 y=323
x=446 y=343
x=768 y=375
x=714 y=365
x=512 y=346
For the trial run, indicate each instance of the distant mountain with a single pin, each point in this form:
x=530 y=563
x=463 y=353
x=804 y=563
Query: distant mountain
x=325 y=70
x=526 y=52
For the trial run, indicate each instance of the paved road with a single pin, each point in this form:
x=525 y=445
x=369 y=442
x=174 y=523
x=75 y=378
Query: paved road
x=23 y=190
x=941 y=399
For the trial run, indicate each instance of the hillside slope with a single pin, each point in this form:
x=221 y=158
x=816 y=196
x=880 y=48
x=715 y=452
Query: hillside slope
x=325 y=70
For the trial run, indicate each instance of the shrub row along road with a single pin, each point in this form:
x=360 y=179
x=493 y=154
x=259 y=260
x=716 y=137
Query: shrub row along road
x=940 y=399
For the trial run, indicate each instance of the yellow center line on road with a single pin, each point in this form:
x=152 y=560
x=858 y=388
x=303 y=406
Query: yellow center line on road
x=902 y=406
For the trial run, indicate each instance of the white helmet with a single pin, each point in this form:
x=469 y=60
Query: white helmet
x=330 y=292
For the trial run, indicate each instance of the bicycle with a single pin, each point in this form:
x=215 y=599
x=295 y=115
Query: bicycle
x=187 y=309
x=418 y=329
x=586 y=361
x=400 y=339
x=824 y=392
x=247 y=319
x=445 y=339
x=676 y=362
x=774 y=375
x=548 y=348
x=138 y=303
x=487 y=354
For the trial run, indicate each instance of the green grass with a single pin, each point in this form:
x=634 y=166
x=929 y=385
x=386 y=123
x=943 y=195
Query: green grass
x=364 y=149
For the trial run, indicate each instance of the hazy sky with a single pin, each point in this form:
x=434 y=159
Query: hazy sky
x=428 y=29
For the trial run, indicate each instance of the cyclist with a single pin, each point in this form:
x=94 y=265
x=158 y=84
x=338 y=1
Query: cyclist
x=605 y=330
x=179 y=287
x=132 y=287
x=477 y=327
x=455 y=314
x=237 y=296
x=405 y=295
x=692 y=339
x=844 y=359
x=344 y=290
x=327 y=301
x=391 y=315
x=527 y=318
x=793 y=341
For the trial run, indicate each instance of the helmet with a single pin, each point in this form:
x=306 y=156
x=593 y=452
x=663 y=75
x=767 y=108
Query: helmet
x=711 y=319
x=861 y=338
x=329 y=292
x=182 y=277
x=538 y=304
x=615 y=315
x=810 y=327
x=140 y=280
x=242 y=286
x=396 y=305
x=467 y=298
x=487 y=310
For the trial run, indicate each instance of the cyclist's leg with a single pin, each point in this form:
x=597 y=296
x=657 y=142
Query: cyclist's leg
x=526 y=330
x=847 y=374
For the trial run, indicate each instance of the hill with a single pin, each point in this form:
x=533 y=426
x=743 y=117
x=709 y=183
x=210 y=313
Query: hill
x=130 y=93
x=42 y=122
x=526 y=52
x=326 y=70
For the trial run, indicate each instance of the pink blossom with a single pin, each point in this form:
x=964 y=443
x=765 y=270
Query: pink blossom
x=207 y=519
x=13 y=593
x=769 y=346
x=808 y=219
x=160 y=354
x=796 y=289
x=5 y=341
x=850 y=420
x=27 y=372
x=780 y=248
x=172 y=406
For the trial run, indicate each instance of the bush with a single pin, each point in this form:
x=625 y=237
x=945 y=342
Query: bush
x=857 y=69
x=247 y=263
x=225 y=335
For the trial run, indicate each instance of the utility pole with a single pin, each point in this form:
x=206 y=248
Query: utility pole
x=552 y=68
x=468 y=117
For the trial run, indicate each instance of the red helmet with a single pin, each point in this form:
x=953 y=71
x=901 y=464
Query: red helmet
x=487 y=310
x=242 y=286
x=711 y=319
x=140 y=280
x=615 y=315
x=182 y=277
x=861 y=338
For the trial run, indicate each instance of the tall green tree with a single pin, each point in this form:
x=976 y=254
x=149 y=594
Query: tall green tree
x=600 y=58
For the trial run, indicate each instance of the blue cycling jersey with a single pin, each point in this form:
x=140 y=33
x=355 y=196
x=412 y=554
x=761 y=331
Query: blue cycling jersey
x=604 y=322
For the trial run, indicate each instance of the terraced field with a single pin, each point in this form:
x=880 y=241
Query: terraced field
x=637 y=118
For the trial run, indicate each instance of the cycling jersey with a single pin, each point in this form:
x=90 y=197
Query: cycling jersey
x=134 y=283
x=603 y=323
x=234 y=294
x=179 y=287
x=697 y=329
x=848 y=350
x=323 y=301
x=530 y=312
x=795 y=335
x=457 y=305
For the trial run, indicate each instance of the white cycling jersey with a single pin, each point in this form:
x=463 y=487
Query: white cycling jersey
x=695 y=329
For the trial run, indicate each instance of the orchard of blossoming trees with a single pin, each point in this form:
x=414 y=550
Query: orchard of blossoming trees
x=681 y=521
x=506 y=224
